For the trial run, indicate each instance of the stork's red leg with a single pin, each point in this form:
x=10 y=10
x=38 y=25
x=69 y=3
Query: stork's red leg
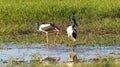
x=47 y=49
x=73 y=45
x=47 y=38
x=68 y=41
x=57 y=32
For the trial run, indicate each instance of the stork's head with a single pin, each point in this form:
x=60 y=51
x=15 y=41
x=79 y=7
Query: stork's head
x=73 y=21
x=37 y=26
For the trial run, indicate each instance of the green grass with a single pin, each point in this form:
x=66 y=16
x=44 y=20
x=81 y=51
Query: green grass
x=44 y=10
x=83 y=39
x=98 y=20
x=94 y=64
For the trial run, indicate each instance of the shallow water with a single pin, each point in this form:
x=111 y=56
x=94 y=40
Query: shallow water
x=27 y=53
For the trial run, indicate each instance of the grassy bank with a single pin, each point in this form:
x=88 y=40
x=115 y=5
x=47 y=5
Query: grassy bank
x=44 y=10
x=98 y=20
x=92 y=64
x=76 y=65
x=83 y=39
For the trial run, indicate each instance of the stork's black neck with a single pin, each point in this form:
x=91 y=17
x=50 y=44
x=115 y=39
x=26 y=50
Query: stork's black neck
x=73 y=21
x=37 y=26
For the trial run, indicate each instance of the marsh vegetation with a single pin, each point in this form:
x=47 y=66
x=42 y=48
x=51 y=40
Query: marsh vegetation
x=98 y=20
x=98 y=24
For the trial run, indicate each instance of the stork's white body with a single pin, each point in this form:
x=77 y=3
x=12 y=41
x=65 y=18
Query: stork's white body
x=43 y=26
x=70 y=31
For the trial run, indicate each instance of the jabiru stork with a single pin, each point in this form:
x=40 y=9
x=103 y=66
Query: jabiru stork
x=47 y=28
x=71 y=31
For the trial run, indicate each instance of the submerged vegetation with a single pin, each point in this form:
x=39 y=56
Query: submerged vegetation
x=98 y=20
x=104 y=62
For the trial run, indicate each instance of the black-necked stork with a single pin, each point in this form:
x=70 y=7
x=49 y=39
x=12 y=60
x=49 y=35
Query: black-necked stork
x=71 y=31
x=46 y=28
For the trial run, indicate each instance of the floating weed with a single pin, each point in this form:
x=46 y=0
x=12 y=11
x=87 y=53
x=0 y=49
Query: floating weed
x=107 y=61
x=81 y=49
x=36 y=57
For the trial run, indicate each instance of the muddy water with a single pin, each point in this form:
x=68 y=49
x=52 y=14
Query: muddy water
x=26 y=53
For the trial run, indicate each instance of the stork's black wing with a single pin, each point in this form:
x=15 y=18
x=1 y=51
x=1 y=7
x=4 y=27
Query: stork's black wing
x=50 y=28
x=74 y=34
